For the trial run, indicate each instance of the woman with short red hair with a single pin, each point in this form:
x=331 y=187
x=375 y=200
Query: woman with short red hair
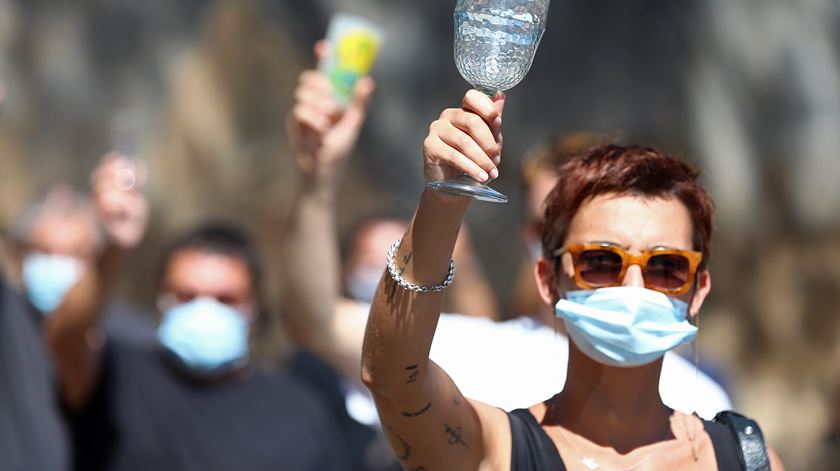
x=625 y=241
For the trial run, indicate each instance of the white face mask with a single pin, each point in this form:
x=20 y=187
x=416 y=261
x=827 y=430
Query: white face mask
x=535 y=250
x=625 y=325
x=362 y=283
x=48 y=278
x=206 y=335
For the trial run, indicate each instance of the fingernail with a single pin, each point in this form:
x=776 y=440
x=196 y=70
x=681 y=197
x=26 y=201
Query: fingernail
x=482 y=176
x=497 y=160
x=494 y=174
x=497 y=122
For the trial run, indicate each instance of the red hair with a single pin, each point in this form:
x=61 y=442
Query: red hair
x=625 y=170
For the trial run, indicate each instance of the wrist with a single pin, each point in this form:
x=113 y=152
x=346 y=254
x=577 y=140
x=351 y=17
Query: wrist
x=319 y=188
x=446 y=202
x=317 y=175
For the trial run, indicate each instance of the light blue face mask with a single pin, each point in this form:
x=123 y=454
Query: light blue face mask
x=625 y=325
x=362 y=283
x=206 y=335
x=48 y=278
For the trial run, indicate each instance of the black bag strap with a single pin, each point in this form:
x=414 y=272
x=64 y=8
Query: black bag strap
x=752 y=449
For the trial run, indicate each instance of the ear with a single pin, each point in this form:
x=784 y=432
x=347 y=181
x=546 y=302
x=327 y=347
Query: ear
x=704 y=285
x=546 y=278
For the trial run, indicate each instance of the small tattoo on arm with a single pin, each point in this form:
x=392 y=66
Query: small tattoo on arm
x=405 y=261
x=419 y=412
x=454 y=436
x=406 y=447
x=412 y=375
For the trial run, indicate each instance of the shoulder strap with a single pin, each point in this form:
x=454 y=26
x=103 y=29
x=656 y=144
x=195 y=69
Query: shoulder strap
x=531 y=447
x=752 y=449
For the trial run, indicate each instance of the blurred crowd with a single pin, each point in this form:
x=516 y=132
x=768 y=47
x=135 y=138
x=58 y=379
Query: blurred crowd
x=192 y=231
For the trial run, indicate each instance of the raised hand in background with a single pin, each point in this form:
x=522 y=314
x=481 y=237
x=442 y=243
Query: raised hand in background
x=117 y=192
x=321 y=132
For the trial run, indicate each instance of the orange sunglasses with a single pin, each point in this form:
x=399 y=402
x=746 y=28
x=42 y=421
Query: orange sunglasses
x=600 y=265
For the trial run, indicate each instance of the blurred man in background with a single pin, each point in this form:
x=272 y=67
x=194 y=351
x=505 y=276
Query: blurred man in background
x=471 y=295
x=193 y=400
x=32 y=435
x=539 y=175
x=58 y=235
x=56 y=238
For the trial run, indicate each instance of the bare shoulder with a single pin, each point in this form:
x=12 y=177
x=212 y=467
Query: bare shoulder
x=495 y=431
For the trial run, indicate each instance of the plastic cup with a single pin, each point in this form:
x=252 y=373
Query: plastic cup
x=354 y=43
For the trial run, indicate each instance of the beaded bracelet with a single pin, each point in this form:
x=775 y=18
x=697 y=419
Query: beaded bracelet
x=392 y=269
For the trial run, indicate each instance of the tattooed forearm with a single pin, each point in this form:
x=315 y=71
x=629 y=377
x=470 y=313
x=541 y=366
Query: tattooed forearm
x=413 y=371
x=419 y=412
x=406 y=447
x=454 y=436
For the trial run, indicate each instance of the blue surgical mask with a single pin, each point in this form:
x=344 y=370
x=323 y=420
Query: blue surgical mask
x=362 y=283
x=535 y=250
x=625 y=325
x=48 y=278
x=206 y=335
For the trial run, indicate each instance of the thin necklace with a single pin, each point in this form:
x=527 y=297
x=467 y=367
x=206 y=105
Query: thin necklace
x=592 y=464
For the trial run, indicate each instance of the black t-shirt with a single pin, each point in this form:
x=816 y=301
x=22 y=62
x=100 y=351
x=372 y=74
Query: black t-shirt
x=368 y=447
x=124 y=323
x=32 y=435
x=146 y=415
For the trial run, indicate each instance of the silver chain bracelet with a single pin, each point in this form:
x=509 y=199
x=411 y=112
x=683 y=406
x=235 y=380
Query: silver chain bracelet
x=392 y=269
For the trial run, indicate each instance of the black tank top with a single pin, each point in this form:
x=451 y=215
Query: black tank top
x=533 y=449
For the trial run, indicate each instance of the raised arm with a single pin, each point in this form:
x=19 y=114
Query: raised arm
x=322 y=136
x=429 y=424
x=73 y=331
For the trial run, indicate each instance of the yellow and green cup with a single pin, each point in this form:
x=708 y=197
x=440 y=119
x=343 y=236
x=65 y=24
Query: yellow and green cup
x=354 y=43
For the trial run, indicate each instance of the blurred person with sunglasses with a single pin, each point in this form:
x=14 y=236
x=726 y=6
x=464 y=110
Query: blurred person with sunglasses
x=624 y=262
x=194 y=398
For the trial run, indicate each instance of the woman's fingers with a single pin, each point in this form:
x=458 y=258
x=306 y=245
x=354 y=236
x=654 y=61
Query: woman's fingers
x=311 y=118
x=442 y=154
x=466 y=145
x=468 y=139
x=477 y=129
x=315 y=91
